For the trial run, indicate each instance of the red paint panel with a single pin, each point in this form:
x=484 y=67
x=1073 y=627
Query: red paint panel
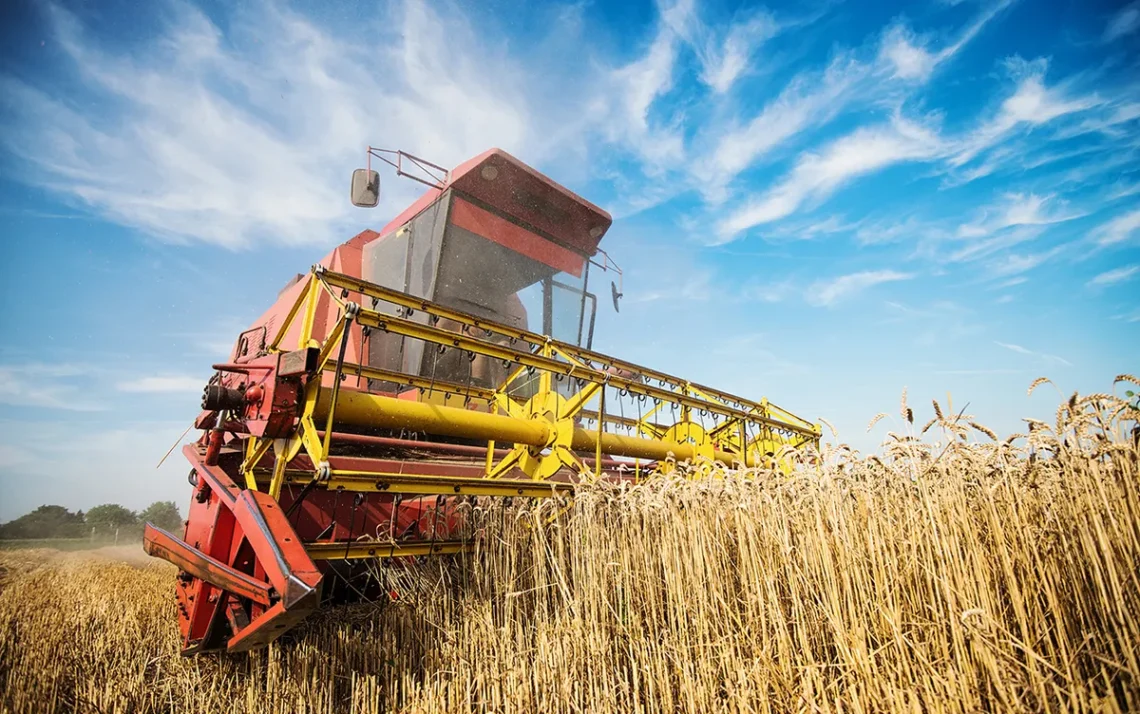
x=509 y=235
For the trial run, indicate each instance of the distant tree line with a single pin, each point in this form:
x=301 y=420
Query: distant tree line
x=104 y=521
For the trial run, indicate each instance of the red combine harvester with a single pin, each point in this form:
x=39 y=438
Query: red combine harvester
x=446 y=357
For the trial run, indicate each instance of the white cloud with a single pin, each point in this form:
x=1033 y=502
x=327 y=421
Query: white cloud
x=905 y=53
x=1123 y=190
x=723 y=54
x=1030 y=353
x=47 y=386
x=1124 y=22
x=1031 y=104
x=1015 y=264
x=163 y=383
x=1110 y=120
x=1012 y=282
x=1112 y=277
x=1118 y=229
x=908 y=56
x=84 y=461
x=816 y=176
x=721 y=72
x=910 y=230
x=825 y=293
x=772 y=292
x=813 y=228
x=234 y=139
x=1017 y=209
x=635 y=87
x=811 y=99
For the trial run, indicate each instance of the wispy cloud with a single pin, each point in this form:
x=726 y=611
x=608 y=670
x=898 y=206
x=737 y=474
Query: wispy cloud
x=1012 y=282
x=1123 y=190
x=769 y=292
x=1112 y=277
x=825 y=293
x=49 y=386
x=1017 y=209
x=723 y=53
x=1133 y=316
x=1016 y=263
x=637 y=85
x=1119 y=229
x=978 y=249
x=163 y=384
x=910 y=229
x=1030 y=353
x=1123 y=23
x=810 y=99
x=815 y=176
x=213 y=138
x=909 y=56
x=1016 y=219
x=813 y=98
x=1032 y=103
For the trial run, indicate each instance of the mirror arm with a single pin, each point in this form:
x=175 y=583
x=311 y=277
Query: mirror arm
x=616 y=289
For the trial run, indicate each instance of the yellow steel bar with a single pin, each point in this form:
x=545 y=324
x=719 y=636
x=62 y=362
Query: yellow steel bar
x=519 y=371
x=601 y=430
x=408 y=328
x=568 y=357
x=330 y=342
x=703 y=394
x=620 y=420
x=374 y=410
x=292 y=315
x=307 y=428
x=378 y=549
x=332 y=294
x=545 y=377
x=490 y=447
x=727 y=426
x=327 y=444
x=278 y=479
x=509 y=462
x=574 y=405
x=408 y=380
x=643 y=422
x=403 y=299
x=310 y=313
x=255 y=450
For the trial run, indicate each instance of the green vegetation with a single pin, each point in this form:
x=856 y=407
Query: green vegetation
x=56 y=527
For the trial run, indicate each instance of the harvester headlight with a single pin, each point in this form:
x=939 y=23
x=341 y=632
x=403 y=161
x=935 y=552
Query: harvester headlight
x=489 y=172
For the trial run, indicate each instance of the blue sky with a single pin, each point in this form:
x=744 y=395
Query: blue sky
x=822 y=203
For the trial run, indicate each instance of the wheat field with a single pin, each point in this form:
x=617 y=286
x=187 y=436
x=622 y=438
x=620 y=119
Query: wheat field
x=950 y=572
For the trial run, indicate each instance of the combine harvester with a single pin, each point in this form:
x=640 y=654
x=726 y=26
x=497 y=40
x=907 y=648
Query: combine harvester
x=446 y=358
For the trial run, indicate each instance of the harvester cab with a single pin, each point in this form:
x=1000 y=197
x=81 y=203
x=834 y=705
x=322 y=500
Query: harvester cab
x=492 y=238
x=447 y=357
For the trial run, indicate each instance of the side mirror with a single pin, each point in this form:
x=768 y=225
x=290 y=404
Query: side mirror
x=365 y=188
x=615 y=295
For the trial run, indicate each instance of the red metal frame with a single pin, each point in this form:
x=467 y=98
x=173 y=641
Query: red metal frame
x=246 y=576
